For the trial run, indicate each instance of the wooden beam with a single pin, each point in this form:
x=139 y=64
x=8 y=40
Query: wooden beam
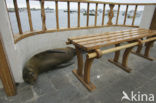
x=78 y=14
x=103 y=2
x=88 y=14
x=5 y=73
x=117 y=18
x=68 y=5
x=134 y=14
x=96 y=10
x=43 y=16
x=103 y=16
x=125 y=15
x=18 y=17
x=57 y=18
x=94 y=54
x=29 y=15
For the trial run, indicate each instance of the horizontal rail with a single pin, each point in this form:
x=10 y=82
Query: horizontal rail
x=94 y=54
x=110 y=11
x=18 y=37
x=100 y=2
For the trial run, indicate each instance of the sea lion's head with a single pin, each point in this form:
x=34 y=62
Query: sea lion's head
x=71 y=51
x=29 y=75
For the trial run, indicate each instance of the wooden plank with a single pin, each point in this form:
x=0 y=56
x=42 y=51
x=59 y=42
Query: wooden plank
x=57 y=18
x=18 y=37
x=99 y=45
x=78 y=14
x=29 y=15
x=125 y=15
x=106 y=38
x=117 y=18
x=93 y=35
x=68 y=5
x=96 y=42
x=103 y=16
x=88 y=14
x=103 y=2
x=107 y=35
x=18 y=17
x=43 y=16
x=96 y=14
x=5 y=73
x=134 y=14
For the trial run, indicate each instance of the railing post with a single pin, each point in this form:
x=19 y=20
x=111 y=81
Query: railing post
x=78 y=24
x=134 y=14
x=88 y=14
x=57 y=18
x=96 y=14
x=103 y=16
x=125 y=15
x=68 y=5
x=43 y=16
x=18 y=17
x=117 y=18
x=111 y=14
x=29 y=15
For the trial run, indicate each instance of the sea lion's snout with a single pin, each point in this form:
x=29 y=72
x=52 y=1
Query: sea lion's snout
x=29 y=76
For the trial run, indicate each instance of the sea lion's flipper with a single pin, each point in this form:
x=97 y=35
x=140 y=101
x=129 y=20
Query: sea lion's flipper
x=55 y=51
x=65 y=65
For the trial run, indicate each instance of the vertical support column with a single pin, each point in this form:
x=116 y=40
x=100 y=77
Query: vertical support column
x=68 y=5
x=96 y=14
x=87 y=68
x=43 y=16
x=88 y=14
x=85 y=79
x=57 y=18
x=117 y=18
x=134 y=14
x=80 y=61
x=117 y=54
x=111 y=14
x=125 y=15
x=103 y=16
x=18 y=17
x=78 y=14
x=5 y=74
x=29 y=15
x=124 y=63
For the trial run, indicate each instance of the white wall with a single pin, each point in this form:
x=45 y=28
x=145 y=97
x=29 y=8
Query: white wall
x=7 y=39
x=20 y=52
x=147 y=16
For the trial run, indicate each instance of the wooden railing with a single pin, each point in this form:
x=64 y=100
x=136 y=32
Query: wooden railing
x=31 y=32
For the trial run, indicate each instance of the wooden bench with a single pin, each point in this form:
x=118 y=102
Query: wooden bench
x=92 y=45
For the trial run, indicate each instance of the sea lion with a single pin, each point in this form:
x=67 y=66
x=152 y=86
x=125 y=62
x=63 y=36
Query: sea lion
x=45 y=61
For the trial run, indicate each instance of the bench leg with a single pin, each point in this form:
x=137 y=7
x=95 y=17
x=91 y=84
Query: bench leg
x=80 y=61
x=147 y=51
x=124 y=63
x=84 y=77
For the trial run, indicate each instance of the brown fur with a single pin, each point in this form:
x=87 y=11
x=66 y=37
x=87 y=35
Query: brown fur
x=46 y=61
